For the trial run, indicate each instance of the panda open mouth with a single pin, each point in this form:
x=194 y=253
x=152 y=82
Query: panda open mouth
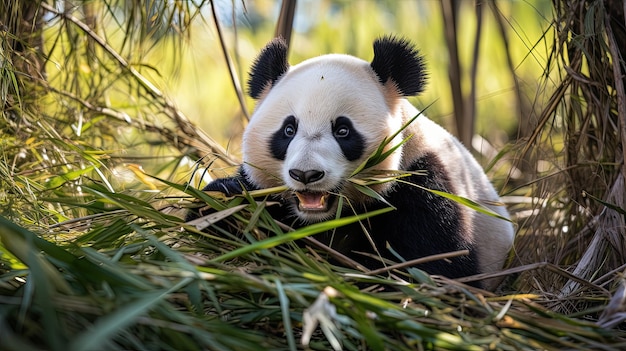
x=313 y=200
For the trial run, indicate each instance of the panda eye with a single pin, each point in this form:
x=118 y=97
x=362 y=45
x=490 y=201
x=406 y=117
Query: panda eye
x=342 y=132
x=290 y=130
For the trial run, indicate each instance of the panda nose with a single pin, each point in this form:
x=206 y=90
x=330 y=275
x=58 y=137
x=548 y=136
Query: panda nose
x=306 y=177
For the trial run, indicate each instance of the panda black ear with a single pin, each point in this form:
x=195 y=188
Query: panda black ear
x=397 y=60
x=268 y=67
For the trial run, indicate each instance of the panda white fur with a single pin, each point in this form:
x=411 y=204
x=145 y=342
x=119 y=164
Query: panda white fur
x=316 y=122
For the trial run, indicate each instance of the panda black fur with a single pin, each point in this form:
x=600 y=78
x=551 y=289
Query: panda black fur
x=316 y=122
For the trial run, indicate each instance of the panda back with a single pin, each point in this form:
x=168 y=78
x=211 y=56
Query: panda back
x=492 y=237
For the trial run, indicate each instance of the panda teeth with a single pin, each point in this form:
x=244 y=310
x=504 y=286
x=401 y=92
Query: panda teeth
x=312 y=201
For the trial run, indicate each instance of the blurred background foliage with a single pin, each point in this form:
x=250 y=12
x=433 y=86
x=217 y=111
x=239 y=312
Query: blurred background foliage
x=101 y=98
x=349 y=27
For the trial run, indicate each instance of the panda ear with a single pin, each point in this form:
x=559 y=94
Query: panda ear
x=397 y=60
x=268 y=67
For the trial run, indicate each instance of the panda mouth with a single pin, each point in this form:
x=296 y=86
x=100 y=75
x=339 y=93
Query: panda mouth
x=313 y=200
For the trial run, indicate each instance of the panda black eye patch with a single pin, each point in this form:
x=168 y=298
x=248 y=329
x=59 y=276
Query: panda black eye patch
x=350 y=141
x=282 y=137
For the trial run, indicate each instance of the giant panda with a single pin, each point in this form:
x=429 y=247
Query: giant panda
x=316 y=122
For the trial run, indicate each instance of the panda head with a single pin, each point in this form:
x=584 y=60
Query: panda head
x=316 y=122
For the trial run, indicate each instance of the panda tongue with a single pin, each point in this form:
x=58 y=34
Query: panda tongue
x=312 y=200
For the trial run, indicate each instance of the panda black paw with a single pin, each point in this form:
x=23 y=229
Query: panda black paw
x=228 y=186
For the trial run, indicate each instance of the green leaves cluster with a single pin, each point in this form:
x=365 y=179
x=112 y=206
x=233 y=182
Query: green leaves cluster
x=152 y=286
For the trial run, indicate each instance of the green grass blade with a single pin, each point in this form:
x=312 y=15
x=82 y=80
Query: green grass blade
x=285 y=311
x=298 y=234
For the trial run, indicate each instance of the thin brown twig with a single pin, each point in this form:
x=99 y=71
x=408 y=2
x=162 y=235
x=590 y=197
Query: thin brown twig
x=469 y=110
x=618 y=77
x=284 y=25
x=420 y=260
x=534 y=266
x=229 y=63
x=497 y=14
x=449 y=12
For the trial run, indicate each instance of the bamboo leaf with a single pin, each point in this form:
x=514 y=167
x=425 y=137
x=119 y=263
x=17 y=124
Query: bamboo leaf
x=133 y=205
x=379 y=154
x=106 y=327
x=463 y=201
x=204 y=222
x=371 y=193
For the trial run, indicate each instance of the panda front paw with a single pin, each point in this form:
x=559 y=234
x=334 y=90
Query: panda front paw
x=228 y=186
